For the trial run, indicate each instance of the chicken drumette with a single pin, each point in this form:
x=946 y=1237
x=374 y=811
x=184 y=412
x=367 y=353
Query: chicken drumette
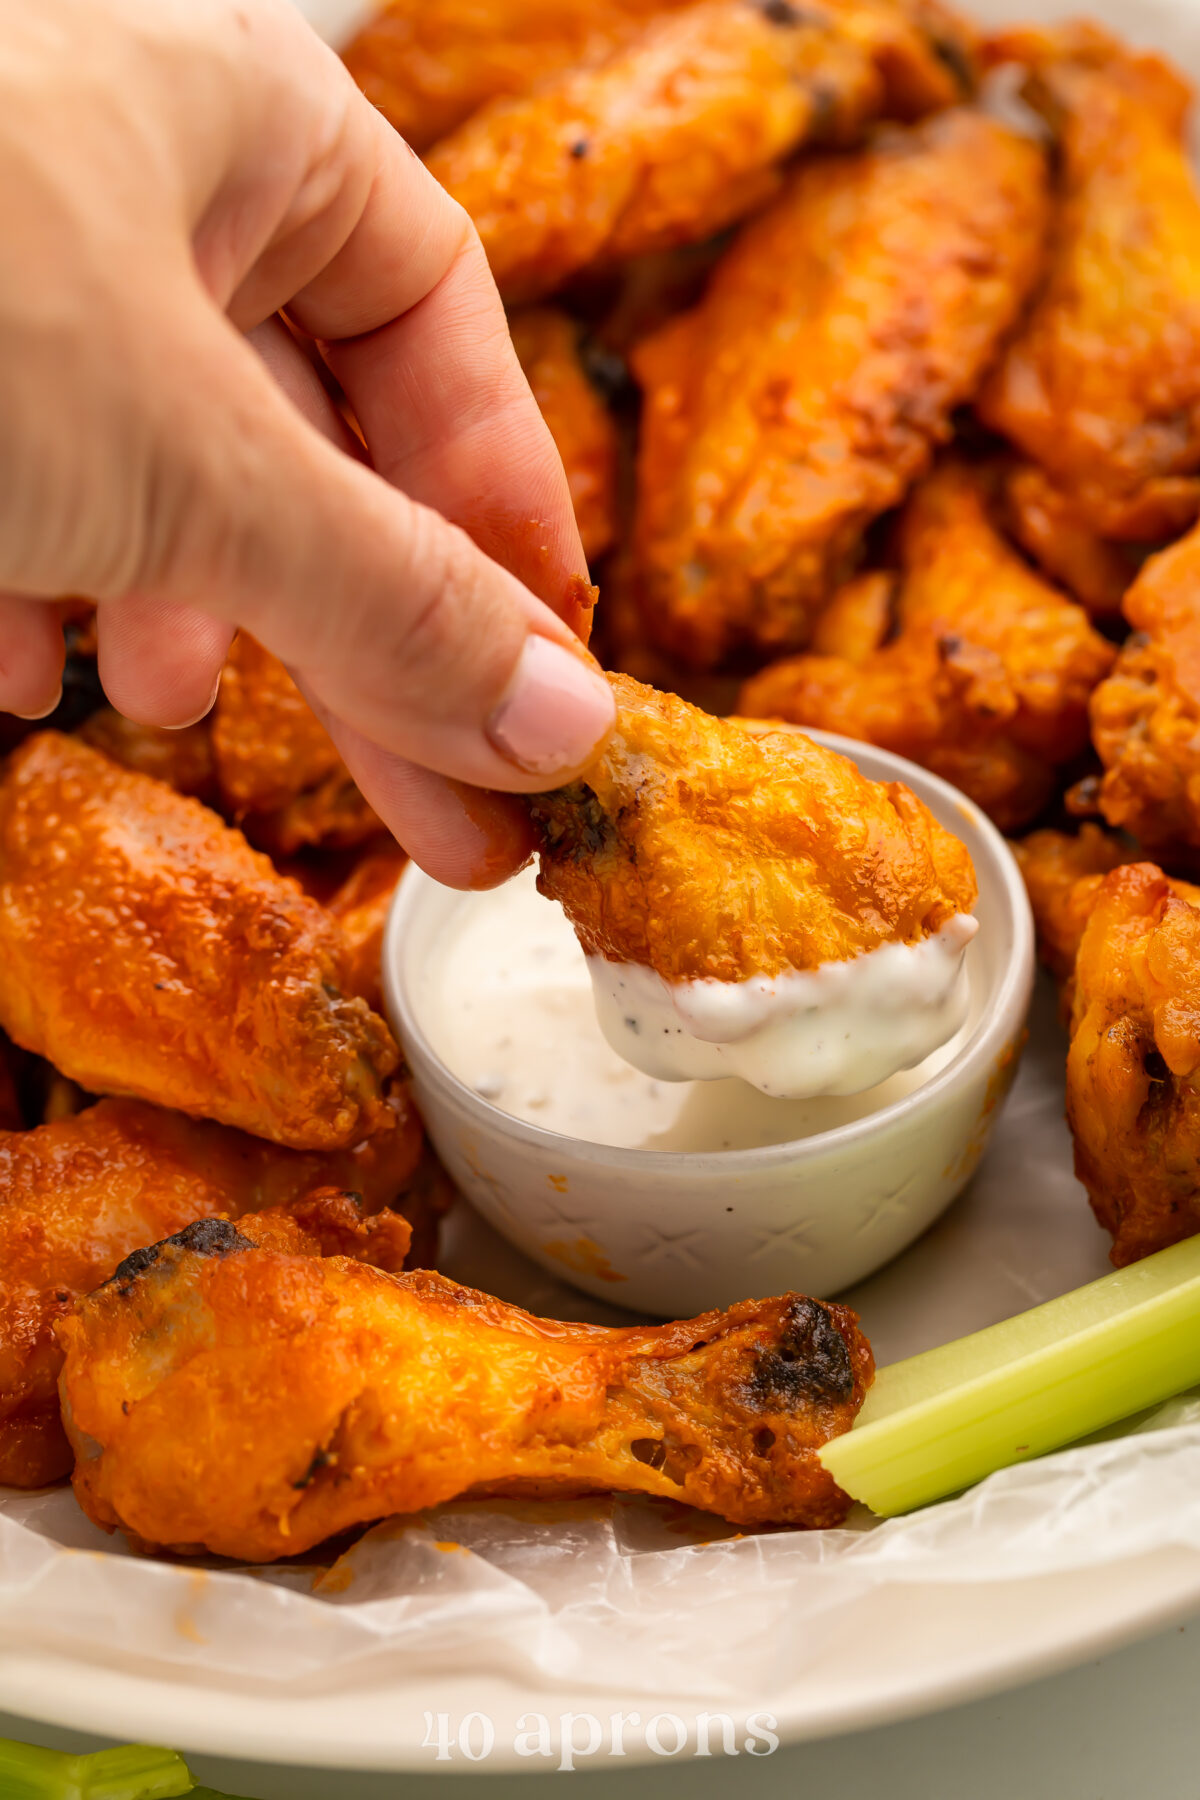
x=230 y=1391
x=77 y=1196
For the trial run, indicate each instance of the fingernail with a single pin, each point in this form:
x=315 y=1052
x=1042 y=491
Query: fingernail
x=32 y=718
x=557 y=710
x=186 y=724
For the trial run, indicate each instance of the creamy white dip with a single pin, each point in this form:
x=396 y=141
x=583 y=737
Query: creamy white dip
x=508 y=1006
x=836 y=1029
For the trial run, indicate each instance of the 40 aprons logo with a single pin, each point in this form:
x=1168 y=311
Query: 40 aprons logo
x=571 y=1738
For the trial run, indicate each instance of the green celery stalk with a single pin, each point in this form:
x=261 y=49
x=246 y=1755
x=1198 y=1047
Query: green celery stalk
x=133 y=1772
x=934 y=1424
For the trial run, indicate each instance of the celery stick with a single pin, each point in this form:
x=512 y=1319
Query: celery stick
x=934 y=1424
x=133 y=1772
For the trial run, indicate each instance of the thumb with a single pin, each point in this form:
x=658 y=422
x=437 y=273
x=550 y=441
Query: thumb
x=392 y=618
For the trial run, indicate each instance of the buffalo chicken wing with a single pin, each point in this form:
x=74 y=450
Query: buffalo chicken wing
x=988 y=673
x=809 y=388
x=1133 y=1070
x=1101 y=387
x=146 y=950
x=678 y=132
x=77 y=1196
x=700 y=851
x=231 y=1392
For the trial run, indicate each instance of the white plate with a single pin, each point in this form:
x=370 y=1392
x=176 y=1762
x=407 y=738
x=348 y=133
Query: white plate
x=1021 y=1234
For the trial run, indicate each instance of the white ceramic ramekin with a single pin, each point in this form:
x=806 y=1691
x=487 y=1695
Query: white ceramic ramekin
x=674 y=1233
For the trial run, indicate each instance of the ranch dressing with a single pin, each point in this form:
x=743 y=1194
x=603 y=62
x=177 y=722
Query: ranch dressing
x=509 y=1009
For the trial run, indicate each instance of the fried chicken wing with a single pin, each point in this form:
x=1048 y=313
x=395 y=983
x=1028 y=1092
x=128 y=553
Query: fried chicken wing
x=1146 y=716
x=702 y=852
x=361 y=907
x=1133 y=1071
x=180 y=756
x=1101 y=387
x=428 y=67
x=279 y=774
x=583 y=429
x=1063 y=874
x=77 y=1196
x=807 y=391
x=146 y=950
x=235 y=1396
x=987 y=677
x=677 y=133
x=10 y=1098
x=1050 y=528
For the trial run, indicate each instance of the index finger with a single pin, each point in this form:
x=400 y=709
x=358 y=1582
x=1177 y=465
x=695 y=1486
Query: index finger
x=434 y=380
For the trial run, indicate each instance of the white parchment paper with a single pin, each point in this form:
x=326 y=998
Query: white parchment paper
x=633 y=1597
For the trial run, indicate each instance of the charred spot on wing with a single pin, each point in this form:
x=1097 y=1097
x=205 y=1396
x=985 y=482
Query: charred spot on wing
x=571 y=823
x=321 y=1460
x=783 y=12
x=205 y=1237
x=809 y=1362
x=953 y=57
x=608 y=373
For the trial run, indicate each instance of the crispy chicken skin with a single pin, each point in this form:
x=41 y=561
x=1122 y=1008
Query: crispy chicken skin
x=407 y=1390
x=279 y=774
x=1146 y=716
x=360 y=906
x=1133 y=1071
x=987 y=678
x=1050 y=528
x=1101 y=387
x=182 y=757
x=678 y=132
x=584 y=432
x=427 y=67
x=699 y=850
x=807 y=391
x=146 y=950
x=1063 y=874
x=77 y=1196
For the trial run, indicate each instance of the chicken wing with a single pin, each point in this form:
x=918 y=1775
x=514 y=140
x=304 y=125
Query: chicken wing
x=1133 y=1071
x=146 y=950
x=227 y=1394
x=1146 y=716
x=360 y=906
x=1050 y=528
x=1101 y=387
x=1063 y=874
x=987 y=678
x=807 y=391
x=702 y=852
x=583 y=429
x=180 y=756
x=428 y=67
x=77 y=1196
x=677 y=133
x=279 y=774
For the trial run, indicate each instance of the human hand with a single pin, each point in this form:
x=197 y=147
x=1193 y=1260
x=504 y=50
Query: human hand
x=172 y=174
